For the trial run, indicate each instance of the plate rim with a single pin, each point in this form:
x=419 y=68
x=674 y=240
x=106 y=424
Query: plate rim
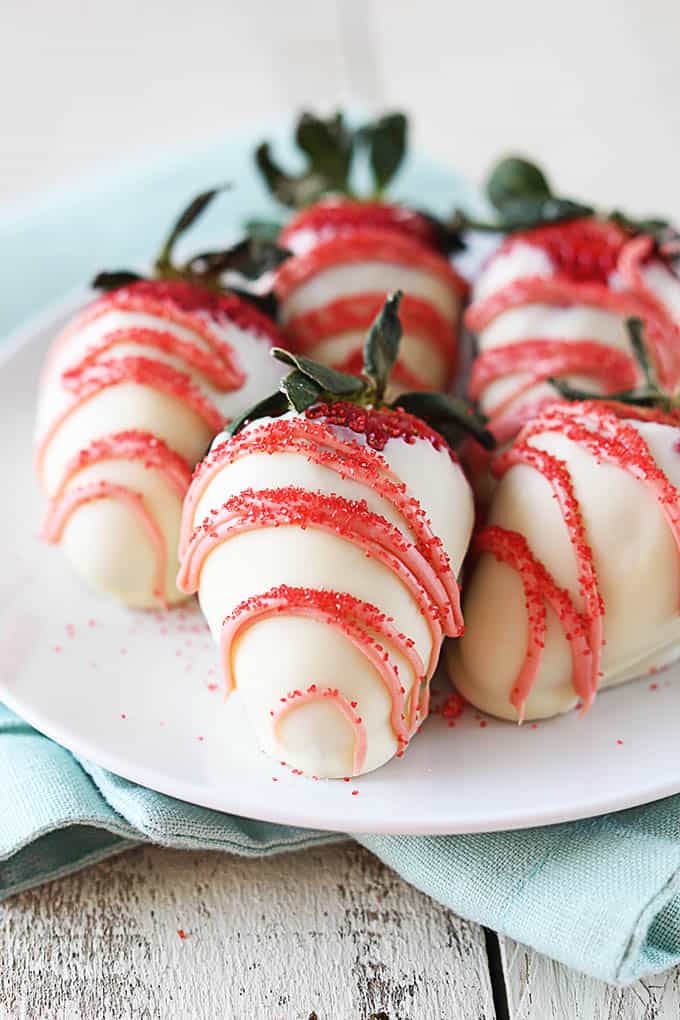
x=155 y=781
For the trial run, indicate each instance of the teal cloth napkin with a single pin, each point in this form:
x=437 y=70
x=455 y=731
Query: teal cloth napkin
x=601 y=895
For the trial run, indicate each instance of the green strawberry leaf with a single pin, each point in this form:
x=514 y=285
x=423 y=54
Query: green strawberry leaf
x=271 y=407
x=382 y=344
x=338 y=384
x=115 y=279
x=635 y=329
x=250 y=257
x=301 y=391
x=328 y=146
x=387 y=141
x=536 y=210
x=513 y=178
x=187 y=217
x=450 y=416
x=263 y=230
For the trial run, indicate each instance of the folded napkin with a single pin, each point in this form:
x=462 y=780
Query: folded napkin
x=601 y=895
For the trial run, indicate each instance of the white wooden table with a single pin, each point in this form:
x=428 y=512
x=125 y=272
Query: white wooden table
x=329 y=934
x=85 y=87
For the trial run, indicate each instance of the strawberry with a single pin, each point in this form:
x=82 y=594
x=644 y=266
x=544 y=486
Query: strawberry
x=133 y=390
x=581 y=250
x=338 y=553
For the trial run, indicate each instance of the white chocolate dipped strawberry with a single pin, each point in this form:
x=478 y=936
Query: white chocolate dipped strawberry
x=348 y=253
x=575 y=585
x=133 y=391
x=324 y=545
x=329 y=296
x=553 y=300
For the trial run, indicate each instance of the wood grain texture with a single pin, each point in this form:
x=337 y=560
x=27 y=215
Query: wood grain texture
x=330 y=933
x=541 y=989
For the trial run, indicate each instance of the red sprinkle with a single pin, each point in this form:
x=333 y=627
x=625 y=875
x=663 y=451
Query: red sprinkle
x=378 y=426
x=342 y=216
x=581 y=249
x=187 y=303
x=453 y=707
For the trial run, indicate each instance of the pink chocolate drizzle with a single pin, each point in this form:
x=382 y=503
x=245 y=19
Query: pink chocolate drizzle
x=540 y=358
x=367 y=244
x=595 y=264
x=196 y=311
x=60 y=511
x=599 y=429
x=419 y=318
x=90 y=381
x=540 y=589
x=662 y=333
x=345 y=314
x=418 y=562
x=313 y=693
x=360 y=622
x=321 y=445
x=132 y=445
x=350 y=520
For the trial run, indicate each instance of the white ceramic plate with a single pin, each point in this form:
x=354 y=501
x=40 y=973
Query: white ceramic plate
x=138 y=694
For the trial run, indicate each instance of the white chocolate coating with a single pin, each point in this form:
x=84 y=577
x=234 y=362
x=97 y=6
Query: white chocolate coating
x=573 y=322
x=636 y=564
x=504 y=267
x=416 y=354
x=357 y=278
x=105 y=541
x=665 y=285
x=554 y=322
x=422 y=360
x=578 y=322
x=281 y=653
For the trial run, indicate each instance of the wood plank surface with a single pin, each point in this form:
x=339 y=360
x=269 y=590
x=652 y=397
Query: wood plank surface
x=541 y=989
x=329 y=933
